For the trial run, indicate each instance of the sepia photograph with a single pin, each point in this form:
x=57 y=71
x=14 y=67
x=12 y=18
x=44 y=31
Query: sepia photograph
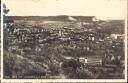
x=64 y=39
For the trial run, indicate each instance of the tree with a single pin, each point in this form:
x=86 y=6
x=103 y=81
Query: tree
x=5 y=10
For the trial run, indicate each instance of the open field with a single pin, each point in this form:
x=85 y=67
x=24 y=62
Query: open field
x=64 y=49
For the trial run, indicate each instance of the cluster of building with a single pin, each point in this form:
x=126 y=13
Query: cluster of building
x=89 y=40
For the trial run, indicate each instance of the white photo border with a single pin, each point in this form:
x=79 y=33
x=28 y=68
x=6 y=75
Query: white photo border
x=65 y=80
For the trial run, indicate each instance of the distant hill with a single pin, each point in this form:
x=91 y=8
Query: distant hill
x=55 y=18
x=114 y=26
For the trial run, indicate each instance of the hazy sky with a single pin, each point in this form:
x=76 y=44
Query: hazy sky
x=102 y=9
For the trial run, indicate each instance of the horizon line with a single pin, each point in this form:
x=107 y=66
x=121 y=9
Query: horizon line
x=65 y=15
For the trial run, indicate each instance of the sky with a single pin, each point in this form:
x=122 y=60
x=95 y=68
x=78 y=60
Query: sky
x=102 y=9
